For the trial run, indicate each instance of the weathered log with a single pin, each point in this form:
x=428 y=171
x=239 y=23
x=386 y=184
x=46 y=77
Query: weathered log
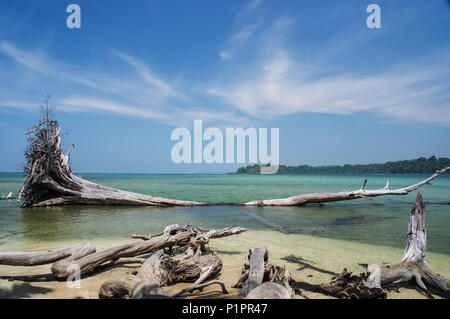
x=414 y=264
x=84 y=258
x=45 y=257
x=173 y=235
x=269 y=290
x=261 y=280
x=49 y=180
x=162 y=270
x=344 y=286
x=344 y=195
x=146 y=282
x=257 y=257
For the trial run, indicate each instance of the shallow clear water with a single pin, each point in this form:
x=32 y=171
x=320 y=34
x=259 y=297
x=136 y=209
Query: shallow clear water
x=381 y=221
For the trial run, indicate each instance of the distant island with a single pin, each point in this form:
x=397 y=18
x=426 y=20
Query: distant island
x=419 y=165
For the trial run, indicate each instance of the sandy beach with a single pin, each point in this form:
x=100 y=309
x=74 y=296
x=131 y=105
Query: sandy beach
x=325 y=257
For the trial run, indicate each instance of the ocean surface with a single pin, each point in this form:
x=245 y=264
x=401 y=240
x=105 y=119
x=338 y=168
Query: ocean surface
x=381 y=221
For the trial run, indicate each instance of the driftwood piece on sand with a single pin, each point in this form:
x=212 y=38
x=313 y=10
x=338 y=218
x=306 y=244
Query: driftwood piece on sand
x=44 y=257
x=414 y=264
x=84 y=258
x=49 y=180
x=162 y=270
x=344 y=286
x=261 y=280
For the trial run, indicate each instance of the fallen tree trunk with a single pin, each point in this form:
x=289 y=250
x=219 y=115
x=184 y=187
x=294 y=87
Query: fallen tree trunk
x=49 y=180
x=44 y=257
x=162 y=270
x=85 y=259
x=344 y=195
x=414 y=264
x=261 y=280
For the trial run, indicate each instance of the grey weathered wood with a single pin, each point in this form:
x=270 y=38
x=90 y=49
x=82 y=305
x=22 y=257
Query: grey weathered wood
x=256 y=272
x=45 y=257
x=162 y=270
x=269 y=290
x=172 y=236
x=344 y=195
x=49 y=181
x=414 y=264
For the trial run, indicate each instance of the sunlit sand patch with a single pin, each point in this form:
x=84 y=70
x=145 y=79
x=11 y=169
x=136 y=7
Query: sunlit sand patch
x=312 y=259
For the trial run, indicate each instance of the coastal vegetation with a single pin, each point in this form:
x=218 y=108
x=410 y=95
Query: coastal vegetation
x=419 y=165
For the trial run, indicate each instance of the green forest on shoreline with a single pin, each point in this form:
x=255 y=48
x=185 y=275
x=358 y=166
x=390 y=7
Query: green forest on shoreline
x=419 y=165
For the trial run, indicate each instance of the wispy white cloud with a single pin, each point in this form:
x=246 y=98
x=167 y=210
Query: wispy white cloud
x=147 y=96
x=149 y=77
x=246 y=23
x=278 y=83
x=282 y=87
x=30 y=107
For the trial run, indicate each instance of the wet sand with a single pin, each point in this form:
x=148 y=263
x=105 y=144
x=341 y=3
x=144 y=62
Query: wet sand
x=312 y=259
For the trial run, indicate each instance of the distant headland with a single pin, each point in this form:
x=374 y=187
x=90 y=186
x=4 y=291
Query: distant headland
x=419 y=165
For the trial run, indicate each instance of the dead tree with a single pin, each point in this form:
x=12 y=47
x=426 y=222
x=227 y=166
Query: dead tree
x=162 y=270
x=49 y=179
x=262 y=280
x=85 y=259
x=414 y=265
x=344 y=195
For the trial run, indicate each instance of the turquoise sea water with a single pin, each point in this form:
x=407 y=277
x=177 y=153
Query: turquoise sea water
x=382 y=221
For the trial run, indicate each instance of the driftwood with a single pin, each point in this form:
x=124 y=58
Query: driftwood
x=414 y=264
x=261 y=280
x=44 y=257
x=49 y=180
x=85 y=259
x=162 y=270
x=345 y=286
x=345 y=195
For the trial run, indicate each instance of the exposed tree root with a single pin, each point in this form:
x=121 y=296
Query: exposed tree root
x=414 y=265
x=345 y=286
x=162 y=270
x=49 y=180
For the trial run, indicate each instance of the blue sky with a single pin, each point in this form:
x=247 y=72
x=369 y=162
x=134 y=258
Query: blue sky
x=338 y=91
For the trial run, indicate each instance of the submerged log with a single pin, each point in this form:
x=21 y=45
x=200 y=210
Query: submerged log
x=261 y=280
x=414 y=265
x=50 y=181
